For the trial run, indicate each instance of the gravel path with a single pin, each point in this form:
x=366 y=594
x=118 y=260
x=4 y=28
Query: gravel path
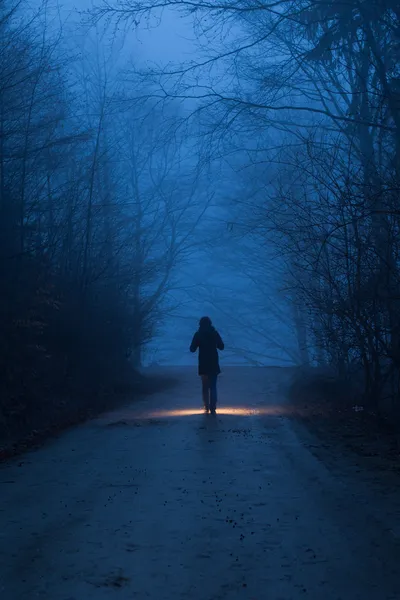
x=160 y=501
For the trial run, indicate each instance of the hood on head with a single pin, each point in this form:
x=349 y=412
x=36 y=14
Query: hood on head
x=205 y=324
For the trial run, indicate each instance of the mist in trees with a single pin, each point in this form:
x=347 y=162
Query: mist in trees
x=98 y=208
x=257 y=181
x=305 y=96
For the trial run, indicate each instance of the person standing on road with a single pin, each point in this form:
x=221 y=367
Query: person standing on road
x=208 y=341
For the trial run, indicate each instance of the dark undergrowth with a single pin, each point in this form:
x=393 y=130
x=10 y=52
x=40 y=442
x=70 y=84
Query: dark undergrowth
x=56 y=412
x=334 y=411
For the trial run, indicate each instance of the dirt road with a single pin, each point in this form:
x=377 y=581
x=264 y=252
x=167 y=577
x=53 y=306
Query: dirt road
x=162 y=502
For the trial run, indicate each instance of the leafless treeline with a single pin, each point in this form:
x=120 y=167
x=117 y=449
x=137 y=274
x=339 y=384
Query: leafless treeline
x=96 y=210
x=311 y=91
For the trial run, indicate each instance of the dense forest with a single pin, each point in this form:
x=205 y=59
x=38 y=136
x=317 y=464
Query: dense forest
x=98 y=209
x=309 y=93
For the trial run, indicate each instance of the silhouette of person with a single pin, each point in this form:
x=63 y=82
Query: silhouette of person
x=208 y=341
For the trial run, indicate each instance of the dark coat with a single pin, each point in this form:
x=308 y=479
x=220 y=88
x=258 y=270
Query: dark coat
x=208 y=341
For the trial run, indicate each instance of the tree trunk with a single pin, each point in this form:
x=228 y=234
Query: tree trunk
x=301 y=334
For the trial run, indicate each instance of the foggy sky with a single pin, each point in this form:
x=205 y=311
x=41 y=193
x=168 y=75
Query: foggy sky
x=215 y=287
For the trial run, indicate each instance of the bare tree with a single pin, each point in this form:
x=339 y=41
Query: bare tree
x=166 y=202
x=323 y=78
x=88 y=249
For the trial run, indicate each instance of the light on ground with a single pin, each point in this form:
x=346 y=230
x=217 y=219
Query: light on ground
x=133 y=416
x=224 y=410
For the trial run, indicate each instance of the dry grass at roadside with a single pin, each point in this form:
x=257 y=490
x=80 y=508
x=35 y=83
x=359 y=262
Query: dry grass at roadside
x=332 y=410
x=24 y=431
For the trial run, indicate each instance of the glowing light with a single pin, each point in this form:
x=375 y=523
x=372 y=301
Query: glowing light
x=178 y=412
x=135 y=417
x=225 y=410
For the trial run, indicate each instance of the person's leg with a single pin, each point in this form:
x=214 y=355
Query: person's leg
x=205 y=383
x=213 y=392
